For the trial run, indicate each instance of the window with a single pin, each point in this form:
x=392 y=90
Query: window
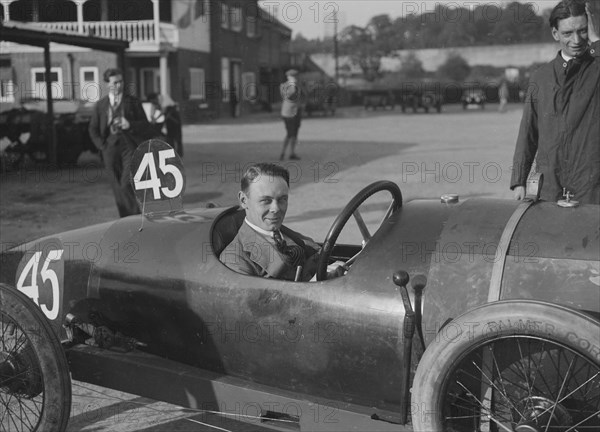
x=224 y=16
x=89 y=84
x=200 y=9
x=197 y=84
x=225 y=79
x=131 y=81
x=236 y=19
x=150 y=82
x=7 y=91
x=38 y=83
x=250 y=26
x=252 y=16
x=249 y=88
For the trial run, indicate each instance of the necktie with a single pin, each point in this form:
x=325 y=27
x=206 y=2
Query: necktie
x=573 y=65
x=293 y=254
x=279 y=241
x=114 y=120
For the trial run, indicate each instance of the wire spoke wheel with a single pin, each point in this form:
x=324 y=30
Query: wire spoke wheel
x=35 y=388
x=520 y=366
x=522 y=383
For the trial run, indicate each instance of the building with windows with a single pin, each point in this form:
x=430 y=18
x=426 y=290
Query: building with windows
x=210 y=56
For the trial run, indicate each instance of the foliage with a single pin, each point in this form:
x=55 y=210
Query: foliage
x=360 y=45
x=455 y=68
x=303 y=45
x=441 y=27
x=412 y=67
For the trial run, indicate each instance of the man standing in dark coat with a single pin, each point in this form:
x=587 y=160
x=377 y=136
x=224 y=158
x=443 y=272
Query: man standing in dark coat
x=561 y=118
x=117 y=126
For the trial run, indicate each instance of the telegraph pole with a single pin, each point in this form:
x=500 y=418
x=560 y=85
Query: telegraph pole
x=335 y=47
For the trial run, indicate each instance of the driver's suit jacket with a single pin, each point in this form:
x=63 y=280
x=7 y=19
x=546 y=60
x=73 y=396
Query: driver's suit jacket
x=254 y=254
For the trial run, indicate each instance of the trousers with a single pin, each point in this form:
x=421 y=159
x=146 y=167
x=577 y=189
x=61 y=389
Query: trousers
x=117 y=157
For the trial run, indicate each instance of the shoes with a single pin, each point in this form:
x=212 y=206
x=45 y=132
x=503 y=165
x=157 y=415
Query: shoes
x=294 y=157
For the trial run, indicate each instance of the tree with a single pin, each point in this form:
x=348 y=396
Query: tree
x=412 y=67
x=455 y=68
x=358 y=43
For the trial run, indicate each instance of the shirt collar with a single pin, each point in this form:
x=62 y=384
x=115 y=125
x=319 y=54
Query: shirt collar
x=566 y=57
x=111 y=98
x=258 y=229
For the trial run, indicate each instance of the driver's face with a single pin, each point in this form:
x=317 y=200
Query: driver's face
x=266 y=202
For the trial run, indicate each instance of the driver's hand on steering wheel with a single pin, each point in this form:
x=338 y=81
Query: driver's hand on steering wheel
x=336 y=269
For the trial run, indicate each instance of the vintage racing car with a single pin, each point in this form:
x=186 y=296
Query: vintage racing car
x=474 y=315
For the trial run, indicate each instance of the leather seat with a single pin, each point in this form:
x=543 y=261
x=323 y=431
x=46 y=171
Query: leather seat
x=226 y=227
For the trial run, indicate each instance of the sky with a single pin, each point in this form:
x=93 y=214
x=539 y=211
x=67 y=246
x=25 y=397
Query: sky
x=315 y=19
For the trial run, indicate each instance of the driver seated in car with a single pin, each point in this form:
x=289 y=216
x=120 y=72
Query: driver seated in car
x=263 y=246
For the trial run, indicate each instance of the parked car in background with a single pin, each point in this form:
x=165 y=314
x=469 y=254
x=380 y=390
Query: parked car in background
x=473 y=98
x=431 y=100
x=25 y=130
x=374 y=99
x=426 y=100
x=323 y=100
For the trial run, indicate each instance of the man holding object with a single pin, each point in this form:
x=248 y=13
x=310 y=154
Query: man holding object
x=561 y=117
x=117 y=126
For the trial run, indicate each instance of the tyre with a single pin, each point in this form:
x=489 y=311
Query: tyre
x=35 y=386
x=511 y=366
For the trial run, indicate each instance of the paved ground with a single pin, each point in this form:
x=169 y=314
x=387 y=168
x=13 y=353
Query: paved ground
x=427 y=155
x=468 y=153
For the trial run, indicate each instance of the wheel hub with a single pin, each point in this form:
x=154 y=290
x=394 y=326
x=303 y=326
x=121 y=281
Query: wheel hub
x=539 y=412
x=20 y=373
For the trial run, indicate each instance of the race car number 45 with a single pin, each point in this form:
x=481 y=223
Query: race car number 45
x=31 y=278
x=152 y=180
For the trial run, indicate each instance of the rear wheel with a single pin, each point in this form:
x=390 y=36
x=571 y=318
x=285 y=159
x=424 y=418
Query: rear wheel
x=35 y=386
x=511 y=366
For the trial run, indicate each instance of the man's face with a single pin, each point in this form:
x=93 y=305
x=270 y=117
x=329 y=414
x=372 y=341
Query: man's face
x=266 y=202
x=115 y=84
x=572 y=35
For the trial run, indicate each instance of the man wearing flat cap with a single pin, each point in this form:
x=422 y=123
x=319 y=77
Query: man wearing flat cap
x=291 y=112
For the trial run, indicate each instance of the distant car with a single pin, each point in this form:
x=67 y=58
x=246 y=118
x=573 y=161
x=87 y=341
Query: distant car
x=473 y=99
x=379 y=99
x=427 y=100
x=430 y=100
x=324 y=103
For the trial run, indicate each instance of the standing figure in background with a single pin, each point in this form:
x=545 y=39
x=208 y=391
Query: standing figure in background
x=503 y=96
x=172 y=123
x=118 y=124
x=560 y=128
x=156 y=114
x=291 y=112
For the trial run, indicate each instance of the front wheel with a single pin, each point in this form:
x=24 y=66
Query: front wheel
x=511 y=366
x=35 y=386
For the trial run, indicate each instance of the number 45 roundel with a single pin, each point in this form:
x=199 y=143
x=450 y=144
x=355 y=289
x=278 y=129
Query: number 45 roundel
x=157 y=177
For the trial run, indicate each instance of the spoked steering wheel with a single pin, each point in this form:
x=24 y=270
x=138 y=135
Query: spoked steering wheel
x=351 y=209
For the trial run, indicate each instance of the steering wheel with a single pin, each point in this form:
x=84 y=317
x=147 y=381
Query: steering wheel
x=351 y=209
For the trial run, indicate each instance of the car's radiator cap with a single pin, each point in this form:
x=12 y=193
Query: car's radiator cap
x=449 y=198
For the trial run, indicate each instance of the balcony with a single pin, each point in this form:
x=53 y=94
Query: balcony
x=140 y=34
